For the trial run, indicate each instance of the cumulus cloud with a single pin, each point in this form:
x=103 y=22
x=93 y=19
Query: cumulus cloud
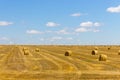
x=86 y=24
x=76 y=14
x=89 y=24
x=5 y=23
x=62 y=32
x=81 y=29
x=56 y=38
x=4 y=39
x=114 y=9
x=97 y=24
x=52 y=24
x=33 y=32
x=88 y=27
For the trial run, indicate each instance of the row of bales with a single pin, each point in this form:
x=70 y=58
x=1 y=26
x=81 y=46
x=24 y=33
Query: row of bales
x=102 y=57
x=26 y=50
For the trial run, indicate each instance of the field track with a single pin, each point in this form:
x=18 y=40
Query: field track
x=49 y=63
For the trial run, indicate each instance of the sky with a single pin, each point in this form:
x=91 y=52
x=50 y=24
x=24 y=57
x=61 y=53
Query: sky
x=66 y=22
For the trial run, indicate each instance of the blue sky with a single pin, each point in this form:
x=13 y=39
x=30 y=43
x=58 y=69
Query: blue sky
x=59 y=21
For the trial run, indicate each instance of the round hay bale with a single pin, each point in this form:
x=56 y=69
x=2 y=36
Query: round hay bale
x=118 y=52
x=109 y=48
x=94 y=52
x=102 y=57
x=68 y=53
x=37 y=50
x=25 y=48
x=96 y=48
x=26 y=52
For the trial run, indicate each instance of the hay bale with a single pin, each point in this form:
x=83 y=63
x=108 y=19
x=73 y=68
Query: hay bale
x=68 y=53
x=109 y=48
x=37 y=50
x=102 y=57
x=26 y=52
x=118 y=52
x=94 y=52
x=25 y=48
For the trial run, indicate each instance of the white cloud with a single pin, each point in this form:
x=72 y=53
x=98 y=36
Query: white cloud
x=56 y=38
x=81 y=29
x=4 y=39
x=62 y=32
x=97 y=24
x=88 y=27
x=52 y=24
x=90 y=24
x=5 y=23
x=76 y=14
x=86 y=24
x=114 y=9
x=33 y=32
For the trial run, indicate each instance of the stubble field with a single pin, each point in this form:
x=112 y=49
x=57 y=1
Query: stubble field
x=32 y=62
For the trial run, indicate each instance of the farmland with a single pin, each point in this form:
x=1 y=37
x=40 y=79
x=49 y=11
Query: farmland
x=49 y=63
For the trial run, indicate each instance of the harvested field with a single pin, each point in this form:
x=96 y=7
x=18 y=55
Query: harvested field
x=50 y=63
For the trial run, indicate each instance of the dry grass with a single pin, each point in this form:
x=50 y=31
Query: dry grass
x=96 y=48
x=53 y=65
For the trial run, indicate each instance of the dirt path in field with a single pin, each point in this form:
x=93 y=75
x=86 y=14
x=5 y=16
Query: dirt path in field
x=14 y=60
x=47 y=57
x=31 y=61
